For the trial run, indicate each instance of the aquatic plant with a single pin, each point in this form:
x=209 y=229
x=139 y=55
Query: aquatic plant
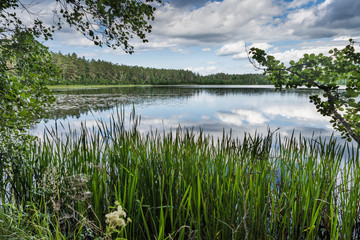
x=182 y=185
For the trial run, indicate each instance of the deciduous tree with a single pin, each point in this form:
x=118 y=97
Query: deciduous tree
x=324 y=72
x=106 y=22
x=26 y=64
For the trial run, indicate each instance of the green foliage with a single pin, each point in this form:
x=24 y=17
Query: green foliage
x=183 y=185
x=75 y=70
x=323 y=72
x=25 y=66
x=110 y=23
x=242 y=79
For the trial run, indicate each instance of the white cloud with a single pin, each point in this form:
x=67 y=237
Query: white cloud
x=153 y=44
x=298 y=3
x=346 y=38
x=111 y=51
x=263 y=45
x=238 y=50
x=203 y=70
x=223 y=28
x=301 y=17
x=231 y=48
x=231 y=23
x=76 y=39
x=215 y=22
x=315 y=47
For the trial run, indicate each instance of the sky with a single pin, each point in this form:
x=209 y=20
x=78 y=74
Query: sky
x=209 y=37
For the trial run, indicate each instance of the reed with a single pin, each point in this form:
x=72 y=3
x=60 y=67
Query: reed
x=181 y=185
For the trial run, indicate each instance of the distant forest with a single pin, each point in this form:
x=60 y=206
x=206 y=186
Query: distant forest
x=76 y=70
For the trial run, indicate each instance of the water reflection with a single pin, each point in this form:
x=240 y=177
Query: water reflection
x=211 y=108
x=240 y=117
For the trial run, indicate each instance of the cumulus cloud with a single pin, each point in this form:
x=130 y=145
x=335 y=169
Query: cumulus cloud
x=226 y=27
x=231 y=23
x=341 y=14
x=73 y=38
x=203 y=70
x=298 y=3
x=316 y=47
x=329 y=19
x=215 y=22
x=238 y=50
x=231 y=48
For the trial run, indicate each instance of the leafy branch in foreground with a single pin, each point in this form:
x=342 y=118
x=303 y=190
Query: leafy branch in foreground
x=322 y=72
x=25 y=64
x=109 y=23
x=25 y=67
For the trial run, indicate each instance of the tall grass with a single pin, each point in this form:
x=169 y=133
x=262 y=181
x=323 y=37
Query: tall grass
x=182 y=185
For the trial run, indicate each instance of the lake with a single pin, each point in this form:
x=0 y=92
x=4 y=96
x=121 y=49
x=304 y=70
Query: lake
x=213 y=109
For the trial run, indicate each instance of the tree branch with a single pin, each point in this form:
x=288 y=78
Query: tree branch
x=336 y=114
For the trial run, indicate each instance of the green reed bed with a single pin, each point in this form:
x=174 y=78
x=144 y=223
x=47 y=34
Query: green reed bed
x=181 y=185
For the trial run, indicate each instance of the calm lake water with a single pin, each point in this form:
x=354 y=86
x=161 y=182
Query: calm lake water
x=213 y=109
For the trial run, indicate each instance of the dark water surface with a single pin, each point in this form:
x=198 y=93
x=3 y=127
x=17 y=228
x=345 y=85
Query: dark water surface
x=211 y=108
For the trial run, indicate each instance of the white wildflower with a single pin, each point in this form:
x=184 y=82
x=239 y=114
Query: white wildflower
x=121 y=212
x=116 y=218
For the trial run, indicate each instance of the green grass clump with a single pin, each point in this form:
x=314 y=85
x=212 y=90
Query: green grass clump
x=181 y=185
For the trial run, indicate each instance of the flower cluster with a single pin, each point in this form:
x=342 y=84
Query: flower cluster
x=117 y=218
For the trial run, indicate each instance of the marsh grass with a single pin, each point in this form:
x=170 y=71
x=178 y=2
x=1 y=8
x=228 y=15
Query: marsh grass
x=182 y=185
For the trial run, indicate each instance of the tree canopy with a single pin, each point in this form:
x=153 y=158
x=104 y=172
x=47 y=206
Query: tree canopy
x=75 y=70
x=110 y=23
x=27 y=66
x=323 y=72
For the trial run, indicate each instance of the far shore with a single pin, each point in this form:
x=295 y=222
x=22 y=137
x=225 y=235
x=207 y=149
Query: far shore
x=59 y=87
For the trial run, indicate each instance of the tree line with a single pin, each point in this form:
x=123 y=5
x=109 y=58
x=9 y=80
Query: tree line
x=77 y=70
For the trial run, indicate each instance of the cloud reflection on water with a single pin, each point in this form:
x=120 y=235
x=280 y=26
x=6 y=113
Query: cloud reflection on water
x=239 y=117
x=214 y=110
